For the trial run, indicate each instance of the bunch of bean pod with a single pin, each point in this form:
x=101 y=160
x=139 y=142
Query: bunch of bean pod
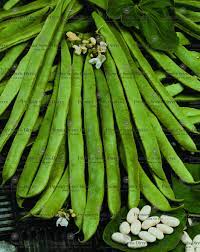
x=85 y=103
x=191 y=244
x=139 y=220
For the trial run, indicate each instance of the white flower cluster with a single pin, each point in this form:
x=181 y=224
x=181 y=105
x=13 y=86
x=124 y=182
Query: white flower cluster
x=64 y=217
x=96 y=49
x=147 y=228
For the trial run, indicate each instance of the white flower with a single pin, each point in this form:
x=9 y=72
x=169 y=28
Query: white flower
x=78 y=49
x=72 y=36
x=63 y=222
x=93 y=41
x=98 y=61
x=102 y=47
x=83 y=49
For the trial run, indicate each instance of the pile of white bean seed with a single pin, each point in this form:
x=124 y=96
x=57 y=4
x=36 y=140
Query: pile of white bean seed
x=191 y=245
x=147 y=228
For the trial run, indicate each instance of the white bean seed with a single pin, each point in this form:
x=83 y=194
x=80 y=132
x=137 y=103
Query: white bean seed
x=189 y=248
x=136 y=227
x=165 y=228
x=124 y=228
x=137 y=244
x=196 y=242
x=132 y=214
x=156 y=232
x=186 y=238
x=150 y=222
x=169 y=220
x=121 y=238
x=145 y=212
x=146 y=236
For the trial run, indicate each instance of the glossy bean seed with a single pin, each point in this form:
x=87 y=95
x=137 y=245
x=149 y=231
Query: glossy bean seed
x=76 y=144
x=133 y=95
x=132 y=214
x=135 y=227
x=144 y=235
x=150 y=222
x=156 y=232
x=58 y=124
x=95 y=192
x=190 y=248
x=170 y=220
x=124 y=227
x=109 y=143
x=165 y=228
x=122 y=116
x=186 y=238
x=196 y=242
x=121 y=238
x=145 y=212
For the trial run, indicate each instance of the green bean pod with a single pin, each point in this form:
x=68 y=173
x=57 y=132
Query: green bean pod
x=190 y=58
x=95 y=160
x=35 y=56
x=156 y=84
x=188 y=23
x=172 y=68
x=133 y=96
x=156 y=104
x=36 y=153
x=109 y=143
x=148 y=189
x=174 y=89
x=76 y=144
x=56 y=175
x=10 y=3
x=9 y=59
x=169 y=153
x=24 y=132
x=18 y=24
x=58 y=127
x=125 y=129
x=25 y=9
x=57 y=199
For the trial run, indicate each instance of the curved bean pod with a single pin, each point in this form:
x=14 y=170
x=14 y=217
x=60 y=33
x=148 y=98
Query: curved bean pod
x=76 y=144
x=157 y=85
x=24 y=132
x=39 y=146
x=133 y=96
x=125 y=129
x=58 y=125
x=35 y=57
x=95 y=192
x=109 y=143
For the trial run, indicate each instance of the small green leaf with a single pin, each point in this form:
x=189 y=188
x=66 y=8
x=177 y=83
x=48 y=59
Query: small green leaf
x=190 y=193
x=117 y=8
x=167 y=244
x=155 y=4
